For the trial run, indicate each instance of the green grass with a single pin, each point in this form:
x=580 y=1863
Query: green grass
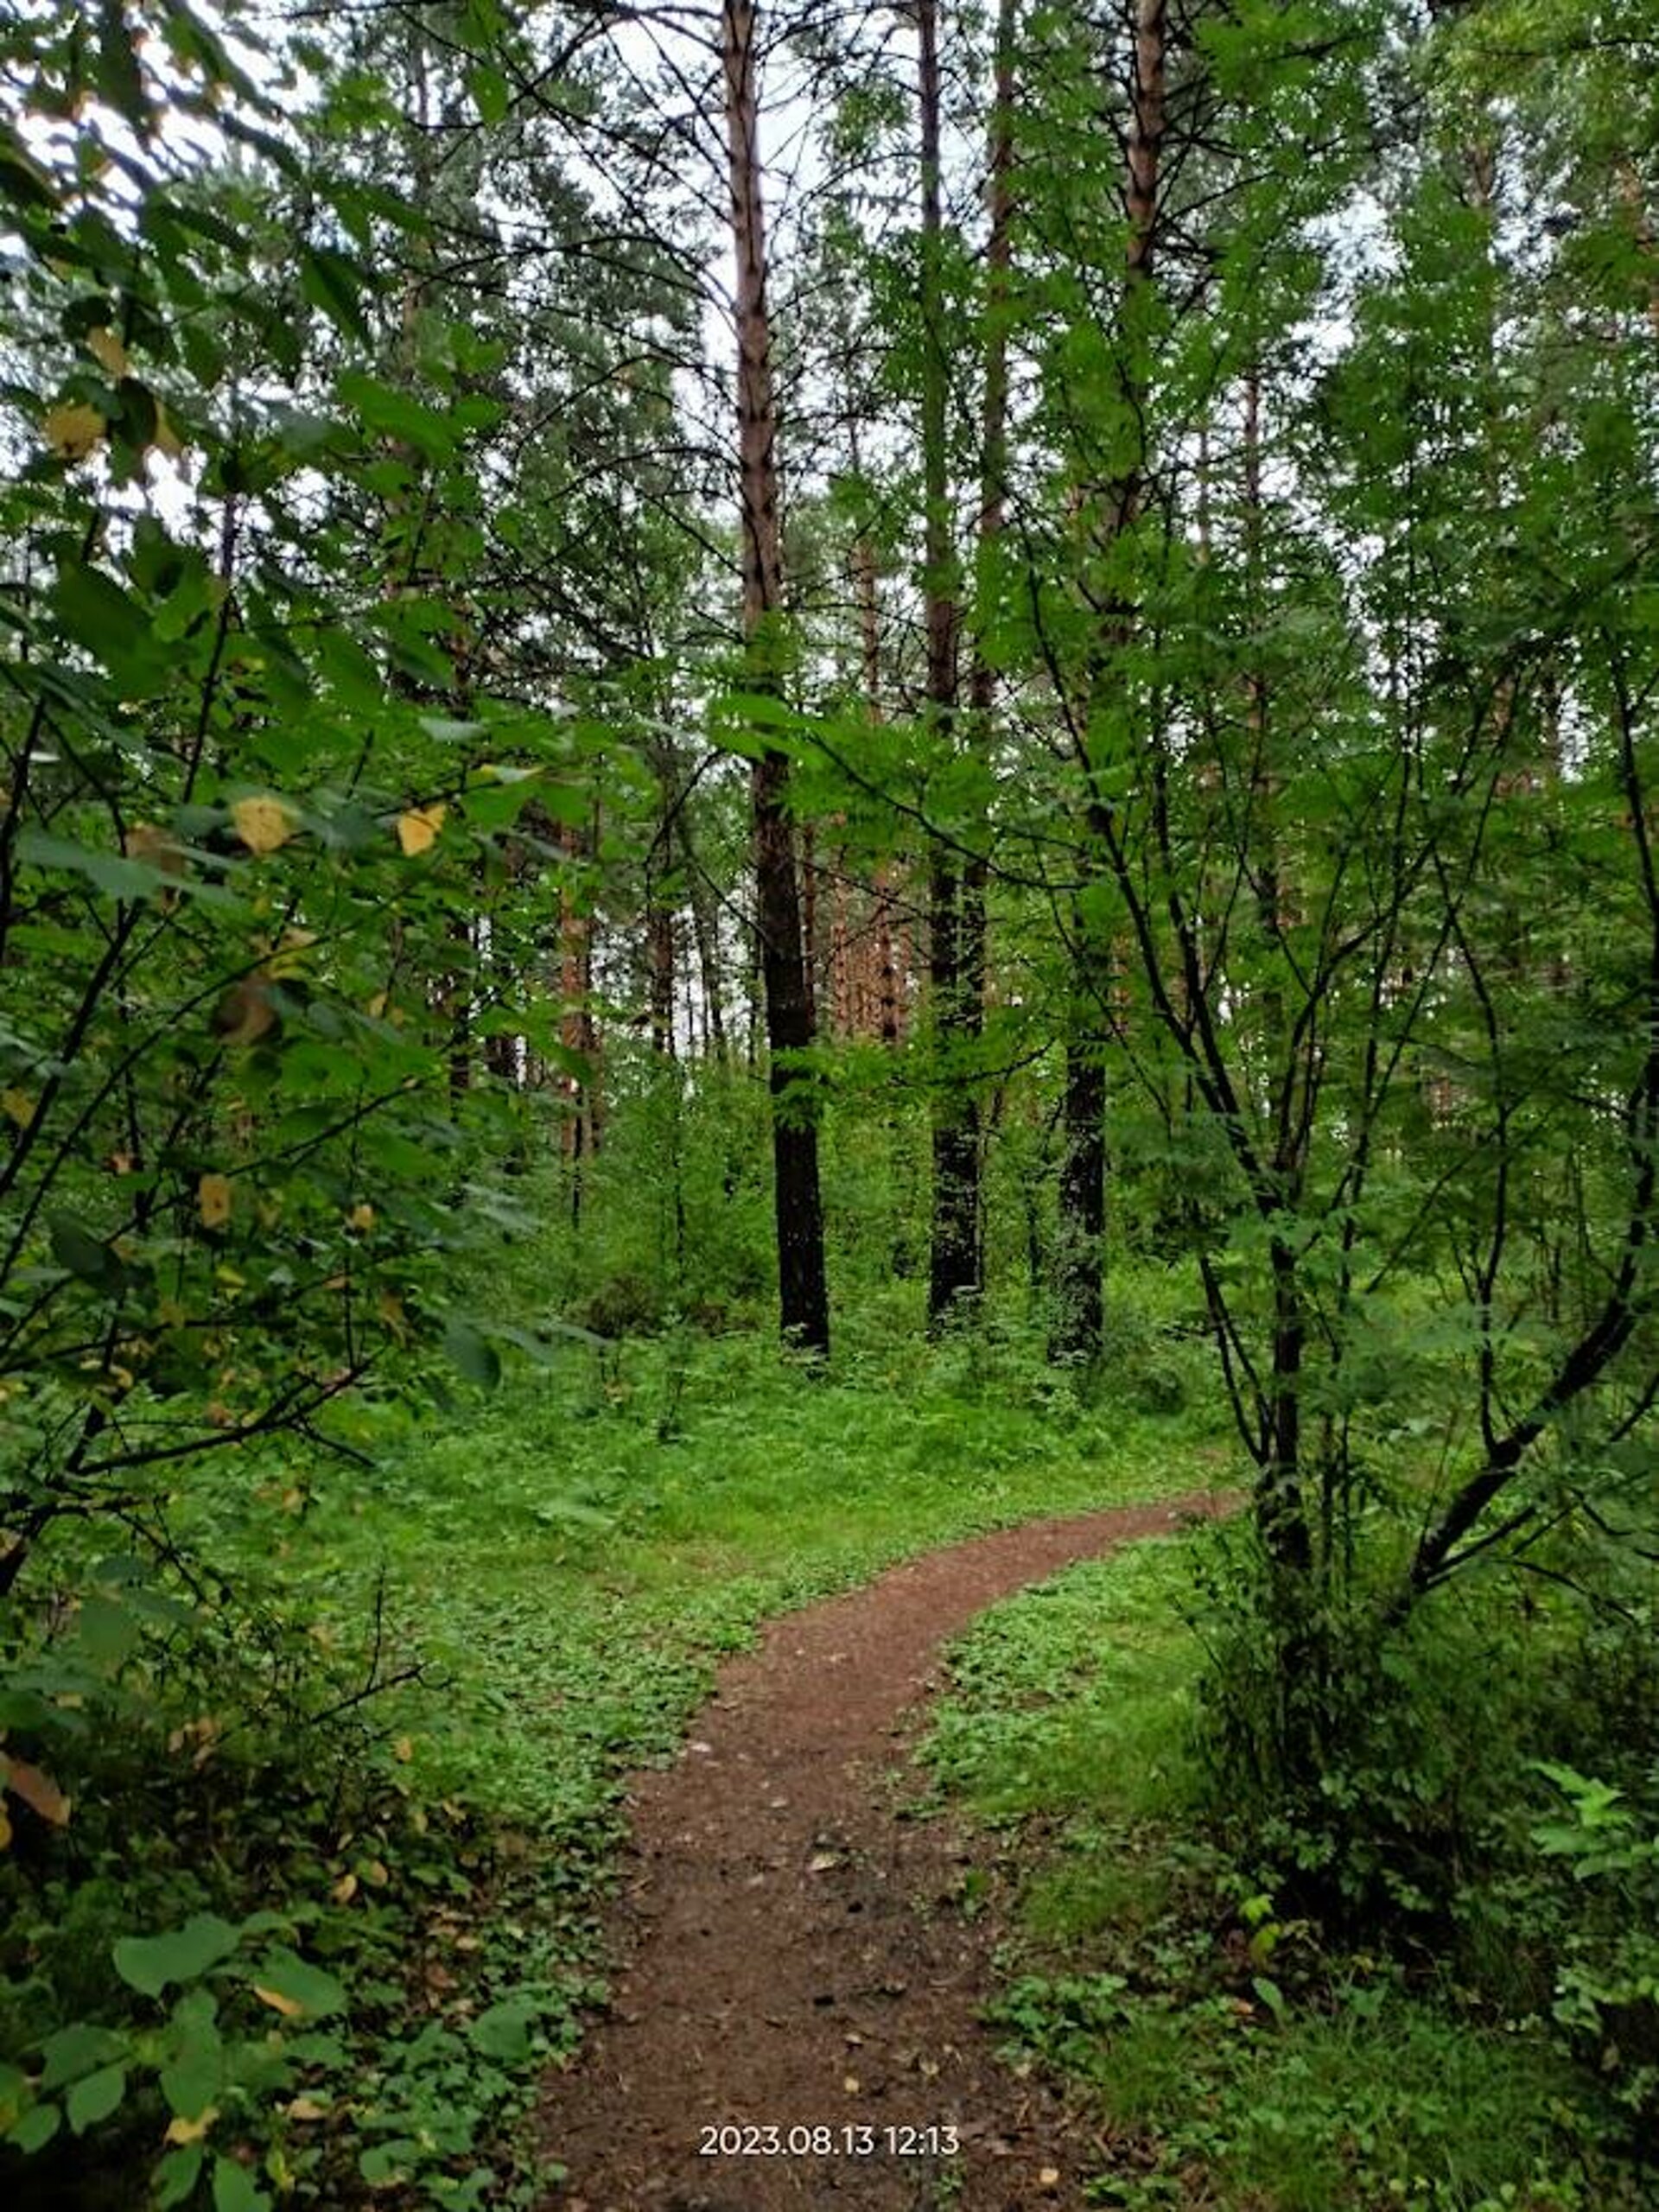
x=1236 y=2065
x=572 y=1553
x=546 y=1576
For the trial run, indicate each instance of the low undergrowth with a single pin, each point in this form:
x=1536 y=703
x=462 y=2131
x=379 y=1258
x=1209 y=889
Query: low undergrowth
x=1241 y=2057
x=314 y=1783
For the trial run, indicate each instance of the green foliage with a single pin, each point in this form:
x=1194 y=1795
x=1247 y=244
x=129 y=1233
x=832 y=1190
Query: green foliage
x=1233 y=2050
x=1607 y=1991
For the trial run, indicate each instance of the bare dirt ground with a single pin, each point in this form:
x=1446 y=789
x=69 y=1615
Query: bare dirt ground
x=794 y=2020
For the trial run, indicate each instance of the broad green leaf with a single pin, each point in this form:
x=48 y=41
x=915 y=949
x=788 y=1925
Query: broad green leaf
x=148 y=1963
x=334 y=283
x=235 y=2189
x=293 y=1986
x=37 y=2128
x=502 y=2032
x=177 y=2174
x=492 y=95
x=74 y=1247
x=472 y=1352
x=75 y=2051
x=95 y=2098
x=192 y=2079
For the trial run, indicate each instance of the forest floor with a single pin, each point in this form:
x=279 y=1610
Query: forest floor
x=805 y=1961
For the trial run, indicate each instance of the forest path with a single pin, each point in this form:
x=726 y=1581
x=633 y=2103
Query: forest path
x=794 y=1952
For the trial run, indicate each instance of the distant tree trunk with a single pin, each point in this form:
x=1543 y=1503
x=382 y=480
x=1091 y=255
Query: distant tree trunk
x=581 y=1129
x=803 y=1290
x=659 y=913
x=705 y=929
x=954 y=1270
x=1080 y=1317
x=880 y=961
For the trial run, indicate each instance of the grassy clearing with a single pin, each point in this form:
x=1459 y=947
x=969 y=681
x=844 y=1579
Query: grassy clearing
x=1236 y=2065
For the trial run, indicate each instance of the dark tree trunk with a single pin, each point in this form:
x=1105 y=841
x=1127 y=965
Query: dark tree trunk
x=803 y=1290
x=954 y=1260
x=1080 y=1316
x=1080 y=1320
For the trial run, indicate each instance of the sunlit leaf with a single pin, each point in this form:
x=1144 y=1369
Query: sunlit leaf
x=263 y=824
x=73 y=429
x=36 y=1790
x=214 y=1200
x=108 y=352
x=417 y=830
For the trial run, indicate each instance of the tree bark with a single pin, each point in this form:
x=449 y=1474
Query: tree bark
x=954 y=1269
x=1080 y=1317
x=803 y=1298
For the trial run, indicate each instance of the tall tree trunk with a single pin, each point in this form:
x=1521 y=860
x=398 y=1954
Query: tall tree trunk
x=705 y=930
x=803 y=1297
x=953 y=1272
x=1080 y=1254
x=659 y=912
x=880 y=961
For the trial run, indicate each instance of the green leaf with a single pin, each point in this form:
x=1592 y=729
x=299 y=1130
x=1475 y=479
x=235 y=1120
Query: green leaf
x=192 y=2079
x=234 y=2189
x=147 y=1963
x=472 y=1352
x=120 y=80
x=96 y=2098
x=502 y=2032
x=22 y=180
x=74 y=1247
x=176 y=2174
x=37 y=2128
x=111 y=873
x=77 y=2050
x=334 y=283
x=395 y=415
x=299 y=1984
x=491 y=93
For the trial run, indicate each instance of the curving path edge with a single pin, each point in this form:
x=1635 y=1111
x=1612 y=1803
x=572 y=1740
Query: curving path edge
x=794 y=1956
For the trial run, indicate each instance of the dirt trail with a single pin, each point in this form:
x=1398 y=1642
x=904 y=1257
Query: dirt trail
x=794 y=1955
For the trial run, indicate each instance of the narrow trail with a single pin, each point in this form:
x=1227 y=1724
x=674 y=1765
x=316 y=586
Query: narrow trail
x=797 y=1975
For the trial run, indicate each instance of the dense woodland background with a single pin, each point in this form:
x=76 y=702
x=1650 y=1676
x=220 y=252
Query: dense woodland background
x=974 y=682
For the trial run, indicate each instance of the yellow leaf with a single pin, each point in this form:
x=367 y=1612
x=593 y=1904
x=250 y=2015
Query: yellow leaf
x=306 y=2108
x=289 y=2007
x=73 y=430
x=19 y=1107
x=38 y=1791
x=362 y=1217
x=263 y=824
x=403 y=1749
x=180 y=2130
x=344 y=1890
x=214 y=1199
x=417 y=830
x=108 y=352
x=376 y=1873
x=166 y=439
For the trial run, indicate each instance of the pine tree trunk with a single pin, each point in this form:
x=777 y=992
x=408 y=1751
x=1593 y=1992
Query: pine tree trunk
x=1080 y=1319
x=803 y=1290
x=954 y=1265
